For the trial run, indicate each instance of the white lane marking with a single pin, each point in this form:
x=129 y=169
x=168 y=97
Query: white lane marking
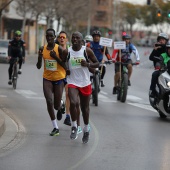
x=102 y=92
x=34 y=97
x=134 y=98
x=3 y=96
x=143 y=106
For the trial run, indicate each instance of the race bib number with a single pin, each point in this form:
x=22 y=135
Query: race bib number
x=76 y=62
x=51 y=65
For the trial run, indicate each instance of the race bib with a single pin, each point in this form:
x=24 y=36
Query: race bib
x=76 y=62
x=51 y=65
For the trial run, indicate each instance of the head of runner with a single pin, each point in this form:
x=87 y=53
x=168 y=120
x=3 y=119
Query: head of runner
x=76 y=40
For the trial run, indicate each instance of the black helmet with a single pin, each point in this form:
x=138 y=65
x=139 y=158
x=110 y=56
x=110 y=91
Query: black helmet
x=96 y=32
x=126 y=36
x=163 y=35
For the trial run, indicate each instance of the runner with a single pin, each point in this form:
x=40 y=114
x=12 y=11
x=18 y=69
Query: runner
x=53 y=76
x=79 y=85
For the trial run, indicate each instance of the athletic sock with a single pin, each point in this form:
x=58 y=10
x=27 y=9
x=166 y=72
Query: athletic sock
x=86 y=128
x=74 y=124
x=67 y=115
x=54 y=122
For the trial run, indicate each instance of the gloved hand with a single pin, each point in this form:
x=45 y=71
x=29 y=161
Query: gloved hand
x=137 y=62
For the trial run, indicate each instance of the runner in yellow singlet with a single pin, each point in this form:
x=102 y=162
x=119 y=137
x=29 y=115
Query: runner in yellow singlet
x=53 y=76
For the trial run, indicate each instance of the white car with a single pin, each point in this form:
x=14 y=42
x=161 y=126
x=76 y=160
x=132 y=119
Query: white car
x=4 y=50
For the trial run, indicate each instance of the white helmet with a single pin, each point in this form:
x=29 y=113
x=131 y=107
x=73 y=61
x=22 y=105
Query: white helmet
x=163 y=35
x=88 y=38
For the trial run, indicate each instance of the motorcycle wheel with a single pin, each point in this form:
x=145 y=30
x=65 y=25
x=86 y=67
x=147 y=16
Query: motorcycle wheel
x=161 y=114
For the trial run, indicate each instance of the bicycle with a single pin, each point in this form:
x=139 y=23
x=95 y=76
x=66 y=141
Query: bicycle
x=95 y=79
x=122 y=87
x=15 y=73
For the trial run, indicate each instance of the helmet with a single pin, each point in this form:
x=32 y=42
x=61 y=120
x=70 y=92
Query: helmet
x=167 y=46
x=96 y=32
x=88 y=38
x=126 y=36
x=18 y=32
x=162 y=35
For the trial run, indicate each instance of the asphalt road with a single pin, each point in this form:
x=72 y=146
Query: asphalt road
x=124 y=136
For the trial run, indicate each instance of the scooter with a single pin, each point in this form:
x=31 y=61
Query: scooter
x=161 y=102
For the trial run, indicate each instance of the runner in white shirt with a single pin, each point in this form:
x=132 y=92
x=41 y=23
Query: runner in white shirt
x=79 y=59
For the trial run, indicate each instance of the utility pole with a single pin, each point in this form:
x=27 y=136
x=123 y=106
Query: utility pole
x=89 y=19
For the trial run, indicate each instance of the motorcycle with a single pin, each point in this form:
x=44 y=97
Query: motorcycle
x=161 y=101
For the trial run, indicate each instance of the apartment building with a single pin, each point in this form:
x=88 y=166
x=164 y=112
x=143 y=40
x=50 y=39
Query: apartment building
x=100 y=16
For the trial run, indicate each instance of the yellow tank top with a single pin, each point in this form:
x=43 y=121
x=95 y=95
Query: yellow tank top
x=52 y=70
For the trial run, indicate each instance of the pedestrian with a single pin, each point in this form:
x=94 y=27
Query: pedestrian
x=79 y=85
x=53 y=77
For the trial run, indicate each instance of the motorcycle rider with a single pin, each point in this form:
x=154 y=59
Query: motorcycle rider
x=164 y=61
x=155 y=56
x=159 y=48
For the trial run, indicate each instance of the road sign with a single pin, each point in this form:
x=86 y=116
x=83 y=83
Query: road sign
x=106 y=42
x=119 y=45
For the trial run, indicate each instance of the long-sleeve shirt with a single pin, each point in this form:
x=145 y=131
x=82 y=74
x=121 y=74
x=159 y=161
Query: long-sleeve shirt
x=16 y=48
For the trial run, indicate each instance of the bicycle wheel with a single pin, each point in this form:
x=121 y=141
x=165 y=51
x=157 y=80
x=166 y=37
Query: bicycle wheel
x=15 y=76
x=124 y=87
x=96 y=89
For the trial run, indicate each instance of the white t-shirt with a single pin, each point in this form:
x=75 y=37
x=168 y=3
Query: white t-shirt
x=79 y=75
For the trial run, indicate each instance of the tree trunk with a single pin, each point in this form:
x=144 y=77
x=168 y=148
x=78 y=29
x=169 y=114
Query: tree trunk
x=0 y=23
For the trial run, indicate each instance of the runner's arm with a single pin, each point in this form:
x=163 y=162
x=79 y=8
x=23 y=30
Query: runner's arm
x=94 y=62
x=58 y=59
x=40 y=55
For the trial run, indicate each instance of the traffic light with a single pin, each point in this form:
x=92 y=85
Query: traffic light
x=159 y=13
x=148 y=2
x=168 y=15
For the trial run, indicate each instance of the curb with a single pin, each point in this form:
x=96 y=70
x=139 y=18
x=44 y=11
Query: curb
x=2 y=124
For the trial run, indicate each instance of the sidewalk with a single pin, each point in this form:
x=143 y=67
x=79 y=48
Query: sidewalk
x=9 y=133
x=2 y=123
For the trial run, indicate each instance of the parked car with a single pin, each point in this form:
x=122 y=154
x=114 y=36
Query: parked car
x=3 y=50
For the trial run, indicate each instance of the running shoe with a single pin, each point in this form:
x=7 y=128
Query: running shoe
x=67 y=121
x=79 y=130
x=54 y=132
x=85 y=138
x=59 y=115
x=73 y=133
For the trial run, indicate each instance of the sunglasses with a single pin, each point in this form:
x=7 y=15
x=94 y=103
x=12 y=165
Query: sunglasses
x=18 y=35
x=62 y=37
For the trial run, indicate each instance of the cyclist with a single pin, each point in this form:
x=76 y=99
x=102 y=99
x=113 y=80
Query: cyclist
x=16 y=49
x=79 y=85
x=53 y=76
x=125 y=58
x=160 y=47
x=98 y=51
